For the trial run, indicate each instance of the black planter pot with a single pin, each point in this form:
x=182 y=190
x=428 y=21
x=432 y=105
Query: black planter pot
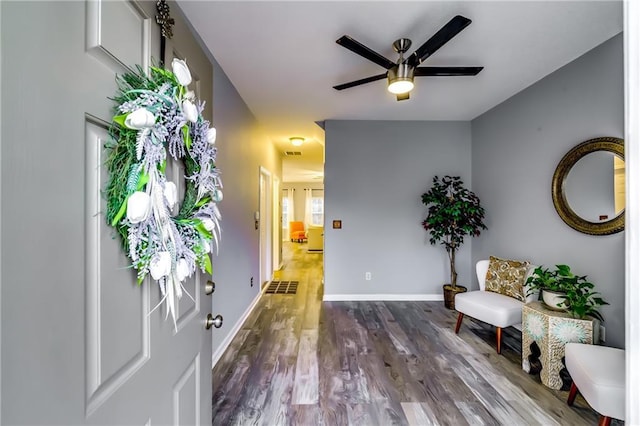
x=450 y=295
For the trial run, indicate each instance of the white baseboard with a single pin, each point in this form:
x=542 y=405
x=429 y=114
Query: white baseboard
x=381 y=297
x=215 y=357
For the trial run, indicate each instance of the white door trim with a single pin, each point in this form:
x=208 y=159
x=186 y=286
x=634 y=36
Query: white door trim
x=632 y=212
x=0 y=212
x=276 y=237
x=266 y=255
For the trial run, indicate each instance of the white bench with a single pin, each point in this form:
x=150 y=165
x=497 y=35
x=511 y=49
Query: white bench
x=598 y=373
x=496 y=309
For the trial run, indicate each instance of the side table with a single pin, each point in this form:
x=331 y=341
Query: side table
x=551 y=330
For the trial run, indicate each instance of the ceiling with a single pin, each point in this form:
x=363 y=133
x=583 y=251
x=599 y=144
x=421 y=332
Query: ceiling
x=283 y=60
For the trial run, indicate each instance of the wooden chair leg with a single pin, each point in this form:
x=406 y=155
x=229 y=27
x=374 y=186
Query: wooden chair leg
x=460 y=316
x=572 y=394
x=498 y=339
x=604 y=421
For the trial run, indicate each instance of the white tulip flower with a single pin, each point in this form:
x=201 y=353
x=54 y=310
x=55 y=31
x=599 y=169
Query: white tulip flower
x=206 y=247
x=217 y=196
x=211 y=136
x=140 y=119
x=171 y=194
x=208 y=224
x=160 y=265
x=181 y=70
x=190 y=95
x=138 y=207
x=190 y=111
x=182 y=269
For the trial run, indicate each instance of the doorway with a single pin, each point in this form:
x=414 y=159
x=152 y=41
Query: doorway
x=277 y=229
x=265 y=226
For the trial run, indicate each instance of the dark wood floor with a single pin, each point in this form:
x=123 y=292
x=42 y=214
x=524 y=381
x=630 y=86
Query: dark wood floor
x=299 y=361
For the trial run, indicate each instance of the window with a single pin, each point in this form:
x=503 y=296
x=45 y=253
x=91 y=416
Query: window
x=285 y=212
x=317 y=211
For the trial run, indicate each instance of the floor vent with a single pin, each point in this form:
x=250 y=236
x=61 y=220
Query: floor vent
x=282 y=287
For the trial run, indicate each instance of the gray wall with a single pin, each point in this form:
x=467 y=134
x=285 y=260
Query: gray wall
x=243 y=148
x=375 y=174
x=516 y=148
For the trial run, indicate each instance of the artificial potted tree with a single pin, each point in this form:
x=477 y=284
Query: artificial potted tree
x=453 y=213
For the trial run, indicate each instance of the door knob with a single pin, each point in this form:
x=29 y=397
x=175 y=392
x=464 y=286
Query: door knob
x=216 y=322
x=209 y=287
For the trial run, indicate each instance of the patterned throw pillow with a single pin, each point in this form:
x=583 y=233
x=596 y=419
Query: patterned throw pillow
x=507 y=277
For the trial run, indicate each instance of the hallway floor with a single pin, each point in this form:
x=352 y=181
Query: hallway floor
x=299 y=361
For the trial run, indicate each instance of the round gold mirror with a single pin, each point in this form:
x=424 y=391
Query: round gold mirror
x=588 y=186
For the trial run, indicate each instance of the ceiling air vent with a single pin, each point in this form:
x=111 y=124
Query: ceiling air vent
x=293 y=152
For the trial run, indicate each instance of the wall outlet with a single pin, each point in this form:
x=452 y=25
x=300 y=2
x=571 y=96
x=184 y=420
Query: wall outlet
x=602 y=333
x=251 y=282
x=367 y=276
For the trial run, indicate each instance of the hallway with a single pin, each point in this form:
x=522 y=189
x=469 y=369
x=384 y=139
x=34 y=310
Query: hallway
x=298 y=361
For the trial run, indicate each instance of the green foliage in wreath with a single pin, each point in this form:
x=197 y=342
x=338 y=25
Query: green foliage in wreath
x=157 y=117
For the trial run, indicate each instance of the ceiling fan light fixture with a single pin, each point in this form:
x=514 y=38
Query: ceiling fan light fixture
x=296 y=141
x=399 y=87
x=400 y=79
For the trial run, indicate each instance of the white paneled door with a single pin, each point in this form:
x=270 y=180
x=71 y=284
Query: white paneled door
x=78 y=342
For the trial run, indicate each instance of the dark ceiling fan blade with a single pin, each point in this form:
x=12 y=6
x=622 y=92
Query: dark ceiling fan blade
x=362 y=50
x=446 y=33
x=359 y=82
x=446 y=71
x=402 y=97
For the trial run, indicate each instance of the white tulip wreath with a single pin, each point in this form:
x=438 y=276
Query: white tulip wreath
x=156 y=114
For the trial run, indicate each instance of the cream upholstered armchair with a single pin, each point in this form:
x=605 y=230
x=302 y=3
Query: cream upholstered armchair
x=315 y=237
x=491 y=307
x=598 y=373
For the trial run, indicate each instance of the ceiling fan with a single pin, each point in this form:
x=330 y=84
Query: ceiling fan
x=400 y=74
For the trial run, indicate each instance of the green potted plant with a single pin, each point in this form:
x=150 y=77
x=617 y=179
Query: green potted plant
x=453 y=213
x=561 y=289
